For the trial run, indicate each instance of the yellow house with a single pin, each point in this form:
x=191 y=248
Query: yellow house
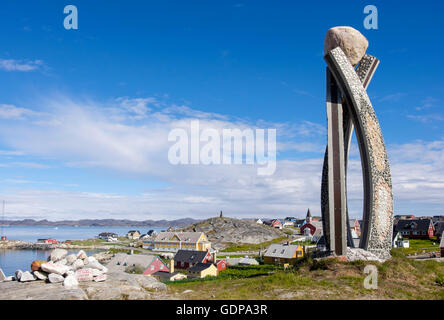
x=174 y=241
x=280 y=254
x=202 y=270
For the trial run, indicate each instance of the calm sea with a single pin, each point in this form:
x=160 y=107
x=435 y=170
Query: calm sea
x=12 y=260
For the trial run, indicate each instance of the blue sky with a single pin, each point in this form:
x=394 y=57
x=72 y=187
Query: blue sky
x=84 y=114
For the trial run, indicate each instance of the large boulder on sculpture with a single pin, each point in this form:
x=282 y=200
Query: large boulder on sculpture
x=351 y=41
x=57 y=255
x=36 y=265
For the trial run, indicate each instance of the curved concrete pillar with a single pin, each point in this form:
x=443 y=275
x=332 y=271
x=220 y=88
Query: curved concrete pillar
x=358 y=113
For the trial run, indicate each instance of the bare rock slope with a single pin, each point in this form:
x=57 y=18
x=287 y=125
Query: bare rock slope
x=223 y=231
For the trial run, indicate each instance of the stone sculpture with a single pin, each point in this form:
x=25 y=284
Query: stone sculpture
x=349 y=108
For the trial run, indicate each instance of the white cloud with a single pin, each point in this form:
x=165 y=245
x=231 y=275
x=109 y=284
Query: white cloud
x=20 y=65
x=8 y=111
x=92 y=135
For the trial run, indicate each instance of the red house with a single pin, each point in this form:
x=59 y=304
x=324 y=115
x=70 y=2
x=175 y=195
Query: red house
x=155 y=266
x=276 y=223
x=47 y=241
x=221 y=264
x=185 y=259
x=416 y=229
x=312 y=226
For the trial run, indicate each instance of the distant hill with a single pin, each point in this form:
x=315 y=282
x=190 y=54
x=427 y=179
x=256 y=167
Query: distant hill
x=223 y=231
x=103 y=222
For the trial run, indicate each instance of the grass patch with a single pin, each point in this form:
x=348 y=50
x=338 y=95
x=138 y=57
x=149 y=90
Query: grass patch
x=252 y=247
x=88 y=242
x=419 y=245
x=398 y=278
x=116 y=250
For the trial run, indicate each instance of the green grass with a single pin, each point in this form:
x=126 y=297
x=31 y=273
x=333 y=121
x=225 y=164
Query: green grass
x=88 y=242
x=398 y=278
x=252 y=247
x=116 y=250
x=419 y=245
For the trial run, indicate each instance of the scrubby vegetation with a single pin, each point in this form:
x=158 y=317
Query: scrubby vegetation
x=252 y=247
x=398 y=278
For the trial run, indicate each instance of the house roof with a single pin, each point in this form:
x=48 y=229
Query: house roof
x=416 y=225
x=190 y=256
x=353 y=222
x=281 y=251
x=440 y=227
x=165 y=275
x=133 y=231
x=121 y=260
x=200 y=267
x=318 y=233
x=188 y=237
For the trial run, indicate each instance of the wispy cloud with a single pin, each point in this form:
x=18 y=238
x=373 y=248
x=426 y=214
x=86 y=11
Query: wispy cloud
x=8 y=111
x=20 y=65
x=85 y=134
x=394 y=97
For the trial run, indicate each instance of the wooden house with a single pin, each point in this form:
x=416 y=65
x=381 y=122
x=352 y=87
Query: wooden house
x=221 y=264
x=355 y=227
x=47 y=241
x=202 y=270
x=133 y=234
x=185 y=259
x=280 y=254
x=174 y=241
x=416 y=229
x=275 y=223
x=312 y=227
x=149 y=263
x=439 y=229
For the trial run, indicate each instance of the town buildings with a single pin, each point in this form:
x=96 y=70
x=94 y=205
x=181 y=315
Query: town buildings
x=174 y=241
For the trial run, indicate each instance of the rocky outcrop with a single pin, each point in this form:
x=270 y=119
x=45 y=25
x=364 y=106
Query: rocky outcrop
x=88 y=282
x=222 y=231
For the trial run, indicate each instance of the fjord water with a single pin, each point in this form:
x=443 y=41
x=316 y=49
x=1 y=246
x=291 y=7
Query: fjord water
x=12 y=260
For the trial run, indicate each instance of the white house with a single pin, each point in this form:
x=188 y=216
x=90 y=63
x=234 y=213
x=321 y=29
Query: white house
x=399 y=242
